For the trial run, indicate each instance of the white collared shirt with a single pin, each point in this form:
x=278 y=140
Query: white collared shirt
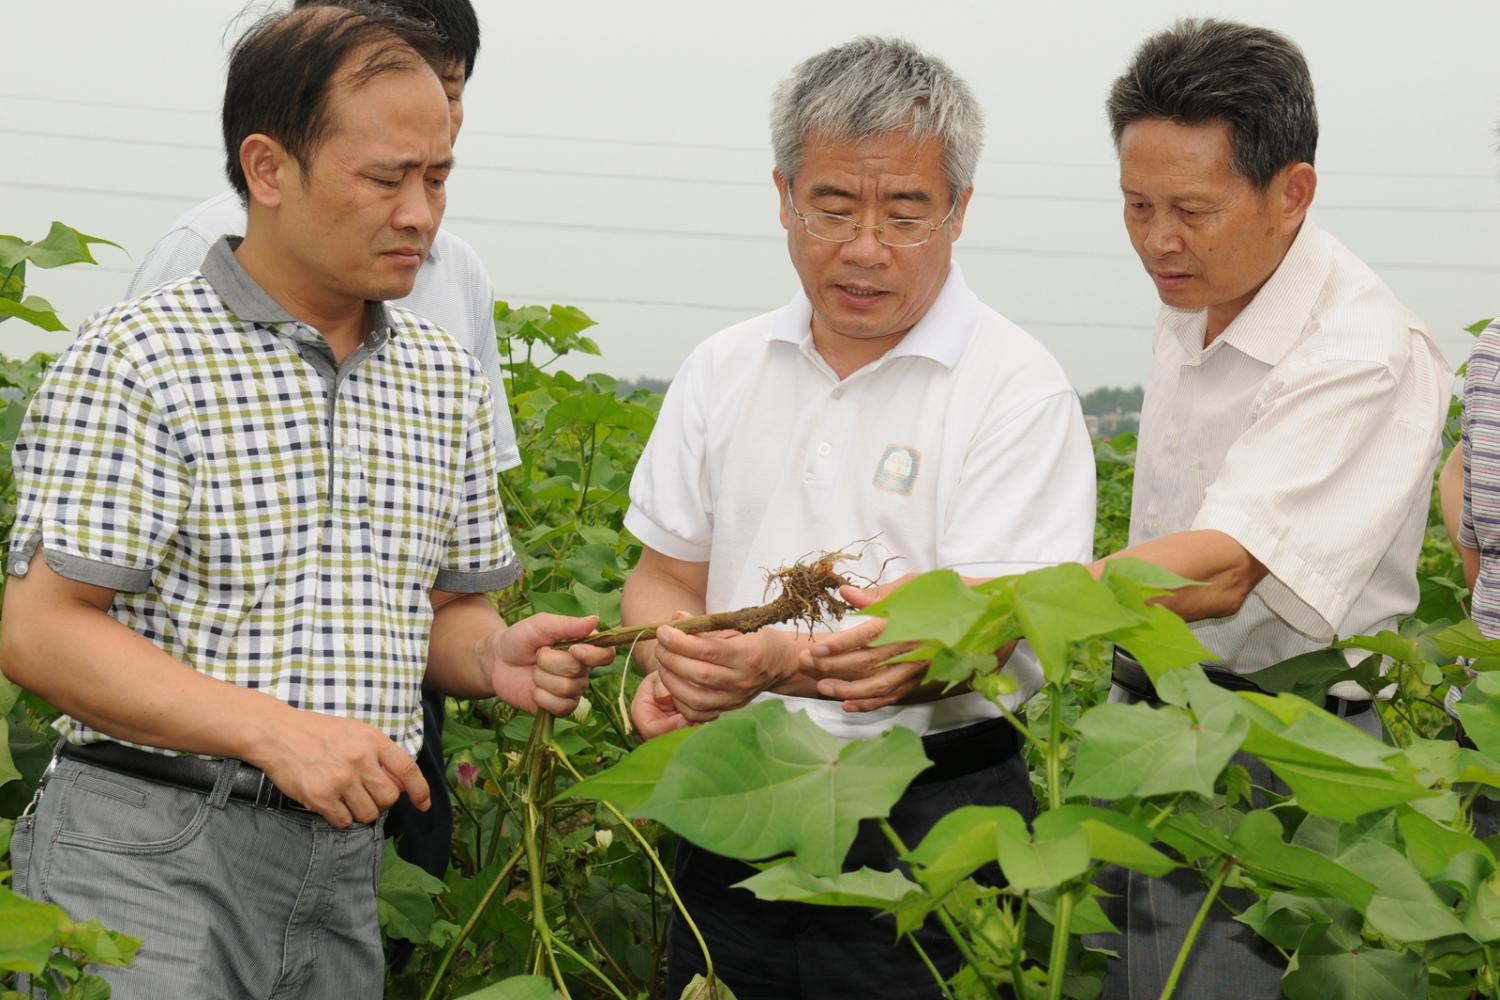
x=1307 y=431
x=963 y=447
x=452 y=290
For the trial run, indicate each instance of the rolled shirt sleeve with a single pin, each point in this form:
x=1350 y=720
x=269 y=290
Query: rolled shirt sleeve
x=1026 y=495
x=1328 y=464
x=100 y=481
x=671 y=505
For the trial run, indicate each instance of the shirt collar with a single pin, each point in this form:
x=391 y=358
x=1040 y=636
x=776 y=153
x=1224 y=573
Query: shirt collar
x=250 y=302
x=940 y=335
x=1274 y=320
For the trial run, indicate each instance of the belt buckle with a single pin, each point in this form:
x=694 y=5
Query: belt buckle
x=268 y=796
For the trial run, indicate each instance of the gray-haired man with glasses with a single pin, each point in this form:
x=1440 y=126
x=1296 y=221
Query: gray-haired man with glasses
x=884 y=401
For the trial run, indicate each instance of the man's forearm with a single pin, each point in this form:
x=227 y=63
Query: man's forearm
x=456 y=664
x=1226 y=571
x=108 y=677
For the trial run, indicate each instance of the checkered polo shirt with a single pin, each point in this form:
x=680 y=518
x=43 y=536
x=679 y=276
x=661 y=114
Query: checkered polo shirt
x=1479 y=527
x=266 y=516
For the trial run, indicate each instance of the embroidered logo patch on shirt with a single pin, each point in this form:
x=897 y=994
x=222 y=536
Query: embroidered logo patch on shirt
x=897 y=472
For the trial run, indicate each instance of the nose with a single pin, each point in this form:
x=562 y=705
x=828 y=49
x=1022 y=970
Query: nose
x=414 y=208
x=865 y=250
x=1163 y=238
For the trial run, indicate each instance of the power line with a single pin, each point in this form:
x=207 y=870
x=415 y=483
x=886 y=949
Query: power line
x=738 y=182
x=727 y=147
x=698 y=234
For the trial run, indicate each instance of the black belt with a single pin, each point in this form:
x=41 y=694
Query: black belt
x=1132 y=677
x=249 y=785
x=960 y=752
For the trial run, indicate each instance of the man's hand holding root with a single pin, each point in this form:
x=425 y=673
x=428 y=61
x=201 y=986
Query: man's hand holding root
x=850 y=668
x=714 y=672
x=558 y=677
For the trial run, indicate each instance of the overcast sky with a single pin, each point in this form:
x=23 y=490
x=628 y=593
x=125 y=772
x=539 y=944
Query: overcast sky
x=614 y=155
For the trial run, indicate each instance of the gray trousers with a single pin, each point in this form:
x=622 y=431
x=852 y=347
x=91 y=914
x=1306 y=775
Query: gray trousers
x=1228 y=959
x=230 y=901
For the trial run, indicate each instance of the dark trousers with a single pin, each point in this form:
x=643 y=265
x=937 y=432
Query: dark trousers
x=424 y=838
x=786 y=951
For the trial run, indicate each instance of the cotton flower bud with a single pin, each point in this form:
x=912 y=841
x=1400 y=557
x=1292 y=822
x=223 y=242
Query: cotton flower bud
x=466 y=774
x=512 y=758
x=604 y=838
x=581 y=713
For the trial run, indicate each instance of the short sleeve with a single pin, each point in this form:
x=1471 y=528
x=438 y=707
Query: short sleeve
x=671 y=507
x=1320 y=482
x=487 y=349
x=176 y=255
x=480 y=557
x=1026 y=495
x=100 y=481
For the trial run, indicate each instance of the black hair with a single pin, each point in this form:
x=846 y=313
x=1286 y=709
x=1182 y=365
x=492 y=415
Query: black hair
x=455 y=20
x=1254 y=80
x=281 y=72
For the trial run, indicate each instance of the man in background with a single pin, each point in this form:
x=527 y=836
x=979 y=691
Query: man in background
x=1290 y=426
x=453 y=290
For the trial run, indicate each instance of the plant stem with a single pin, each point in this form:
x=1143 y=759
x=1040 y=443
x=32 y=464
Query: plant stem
x=936 y=975
x=473 y=921
x=1017 y=980
x=1197 y=925
x=687 y=918
x=536 y=752
x=1057 y=962
x=1053 y=749
x=563 y=946
x=943 y=918
x=1489 y=969
x=1015 y=720
x=592 y=934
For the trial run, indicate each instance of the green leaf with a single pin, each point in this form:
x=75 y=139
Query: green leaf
x=701 y=989
x=1146 y=574
x=761 y=781
x=630 y=783
x=96 y=943
x=1136 y=750
x=64 y=245
x=34 y=310
x=1476 y=328
x=1432 y=847
x=616 y=911
x=937 y=605
x=1334 y=769
x=1404 y=907
x=1326 y=970
x=1465 y=640
x=516 y=988
x=1056 y=853
x=957 y=845
x=32 y=931
x=1061 y=605
x=1163 y=642
x=1480 y=713
x=1306 y=676
x=1274 y=863
x=1392 y=644
x=1118 y=839
x=9 y=692
x=7 y=827
x=404 y=899
x=866 y=887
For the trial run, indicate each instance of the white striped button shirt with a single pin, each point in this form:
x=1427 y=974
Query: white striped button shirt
x=1307 y=431
x=1479 y=527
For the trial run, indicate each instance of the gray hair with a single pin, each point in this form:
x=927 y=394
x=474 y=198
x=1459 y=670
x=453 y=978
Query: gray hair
x=873 y=87
x=1253 y=80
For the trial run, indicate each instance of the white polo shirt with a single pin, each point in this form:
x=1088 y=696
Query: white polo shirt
x=963 y=447
x=452 y=290
x=1307 y=432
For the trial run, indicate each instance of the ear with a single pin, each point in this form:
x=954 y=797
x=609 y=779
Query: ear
x=956 y=225
x=783 y=186
x=1299 y=184
x=264 y=162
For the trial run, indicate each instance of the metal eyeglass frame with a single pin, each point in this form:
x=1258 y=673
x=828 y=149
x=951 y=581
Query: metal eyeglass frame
x=878 y=227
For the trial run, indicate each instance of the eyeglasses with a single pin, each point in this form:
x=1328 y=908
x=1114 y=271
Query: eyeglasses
x=832 y=228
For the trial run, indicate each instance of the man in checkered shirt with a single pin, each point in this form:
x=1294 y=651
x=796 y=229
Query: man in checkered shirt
x=256 y=512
